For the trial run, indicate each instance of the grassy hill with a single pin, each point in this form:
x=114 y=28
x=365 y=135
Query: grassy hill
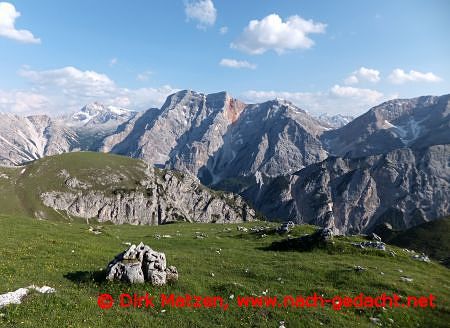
x=110 y=176
x=71 y=259
x=21 y=187
x=431 y=238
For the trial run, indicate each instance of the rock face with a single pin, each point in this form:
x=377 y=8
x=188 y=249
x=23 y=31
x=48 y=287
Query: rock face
x=415 y=123
x=335 y=121
x=24 y=139
x=388 y=165
x=139 y=264
x=269 y=139
x=403 y=187
x=184 y=133
x=161 y=196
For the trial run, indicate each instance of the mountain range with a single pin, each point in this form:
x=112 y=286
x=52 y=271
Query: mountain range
x=391 y=164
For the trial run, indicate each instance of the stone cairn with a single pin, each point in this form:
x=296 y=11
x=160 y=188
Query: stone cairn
x=139 y=264
x=286 y=227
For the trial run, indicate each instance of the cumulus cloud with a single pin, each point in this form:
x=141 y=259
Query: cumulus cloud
x=371 y=96
x=69 y=88
x=202 y=11
x=233 y=63
x=22 y=102
x=399 y=76
x=336 y=100
x=70 y=80
x=363 y=74
x=8 y=16
x=271 y=33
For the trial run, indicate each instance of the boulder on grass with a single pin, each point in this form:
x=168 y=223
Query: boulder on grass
x=139 y=264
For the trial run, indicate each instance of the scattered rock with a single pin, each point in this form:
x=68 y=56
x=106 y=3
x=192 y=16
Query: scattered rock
x=16 y=296
x=402 y=278
x=140 y=263
x=422 y=257
x=259 y=229
x=286 y=227
x=371 y=244
x=375 y=321
x=200 y=235
x=171 y=274
x=243 y=229
x=74 y=183
x=375 y=237
x=96 y=230
x=359 y=268
x=282 y=324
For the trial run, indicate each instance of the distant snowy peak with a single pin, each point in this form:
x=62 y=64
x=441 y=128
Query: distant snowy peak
x=99 y=113
x=335 y=121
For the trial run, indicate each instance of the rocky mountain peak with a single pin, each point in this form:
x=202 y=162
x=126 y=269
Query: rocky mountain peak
x=100 y=113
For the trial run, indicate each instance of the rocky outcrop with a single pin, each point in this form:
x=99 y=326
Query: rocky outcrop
x=139 y=264
x=24 y=139
x=415 y=123
x=161 y=197
x=403 y=188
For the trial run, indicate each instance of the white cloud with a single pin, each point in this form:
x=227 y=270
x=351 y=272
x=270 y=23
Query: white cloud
x=223 y=30
x=271 y=33
x=8 y=16
x=352 y=79
x=399 y=76
x=337 y=100
x=144 y=76
x=113 y=61
x=69 y=88
x=22 y=102
x=233 y=63
x=70 y=80
x=202 y=11
x=369 y=95
x=363 y=74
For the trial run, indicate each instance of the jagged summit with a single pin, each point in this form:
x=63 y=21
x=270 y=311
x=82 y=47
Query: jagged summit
x=256 y=150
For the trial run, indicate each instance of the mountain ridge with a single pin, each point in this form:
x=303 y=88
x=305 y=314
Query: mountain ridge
x=255 y=150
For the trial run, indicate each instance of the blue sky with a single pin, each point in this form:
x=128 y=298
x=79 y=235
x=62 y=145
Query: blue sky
x=325 y=56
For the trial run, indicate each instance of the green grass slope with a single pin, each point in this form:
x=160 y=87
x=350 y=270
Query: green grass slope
x=20 y=188
x=68 y=257
x=431 y=238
